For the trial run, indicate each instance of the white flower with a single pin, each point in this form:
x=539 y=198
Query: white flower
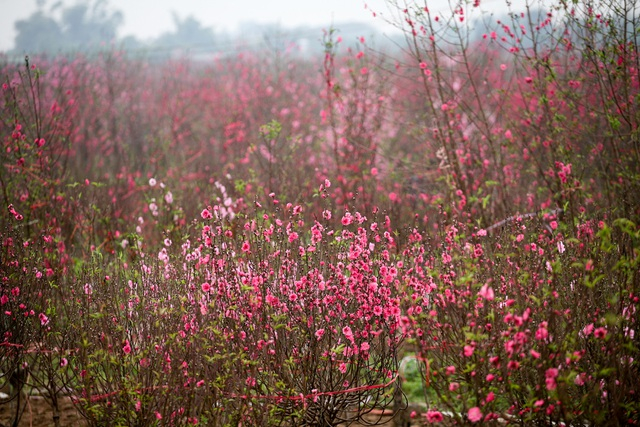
x=561 y=247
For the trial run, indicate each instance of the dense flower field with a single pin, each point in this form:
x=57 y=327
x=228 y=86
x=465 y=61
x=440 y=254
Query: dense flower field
x=260 y=239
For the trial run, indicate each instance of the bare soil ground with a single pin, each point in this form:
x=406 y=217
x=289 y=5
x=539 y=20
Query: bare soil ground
x=37 y=412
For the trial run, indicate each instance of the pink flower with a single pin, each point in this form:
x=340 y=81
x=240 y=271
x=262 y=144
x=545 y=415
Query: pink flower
x=364 y=346
x=347 y=219
x=551 y=374
x=600 y=332
x=343 y=367
x=246 y=247
x=347 y=333
x=126 y=348
x=44 y=320
x=474 y=414
x=468 y=350
x=434 y=416
x=490 y=397
x=319 y=333
x=486 y=292
x=206 y=287
x=206 y=214
x=542 y=333
x=588 y=329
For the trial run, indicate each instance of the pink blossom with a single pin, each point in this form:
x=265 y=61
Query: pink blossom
x=206 y=287
x=347 y=219
x=550 y=378
x=586 y=331
x=126 y=348
x=486 y=292
x=347 y=333
x=206 y=214
x=468 y=350
x=343 y=367
x=319 y=333
x=600 y=332
x=434 y=416
x=542 y=333
x=474 y=414
x=44 y=320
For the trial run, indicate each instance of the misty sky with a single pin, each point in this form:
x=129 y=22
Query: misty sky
x=148 y=18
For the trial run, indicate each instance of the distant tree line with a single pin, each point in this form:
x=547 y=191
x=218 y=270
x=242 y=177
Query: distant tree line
x=92 y=24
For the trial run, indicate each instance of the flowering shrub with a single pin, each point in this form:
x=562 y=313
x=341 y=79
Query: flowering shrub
x=522 y=330
x=243 y=242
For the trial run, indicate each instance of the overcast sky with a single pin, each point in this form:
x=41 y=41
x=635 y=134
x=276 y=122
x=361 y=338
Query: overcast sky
x=148 y=18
